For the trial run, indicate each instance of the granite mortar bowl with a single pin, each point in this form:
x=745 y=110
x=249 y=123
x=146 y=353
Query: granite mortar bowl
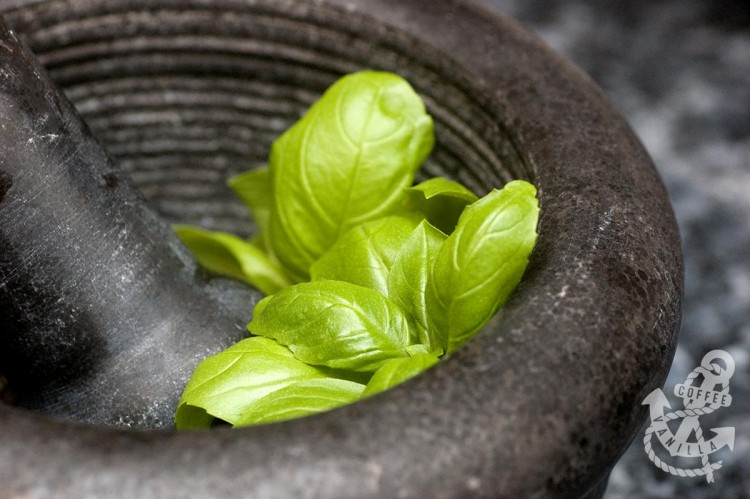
x=541 y=402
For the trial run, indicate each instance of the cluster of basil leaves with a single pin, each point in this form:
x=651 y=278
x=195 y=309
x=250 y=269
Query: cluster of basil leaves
x=370 y=279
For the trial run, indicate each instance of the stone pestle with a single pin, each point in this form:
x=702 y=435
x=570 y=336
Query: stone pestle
x=104 y=312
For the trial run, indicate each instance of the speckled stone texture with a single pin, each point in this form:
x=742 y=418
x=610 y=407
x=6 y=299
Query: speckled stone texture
x=540 y=403
x=680 y=72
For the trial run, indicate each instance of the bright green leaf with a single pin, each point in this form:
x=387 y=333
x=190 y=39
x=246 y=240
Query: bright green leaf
x=302 y=399
x=228 y=384
x=348 y=160
x=419 y=348
x=442 y=187
x=335 y=324
x=231 y=256
x=481 y=263
x=441 y=200
x=364 y=255
x=397 y=371
x=407 y=280
x=254 y=188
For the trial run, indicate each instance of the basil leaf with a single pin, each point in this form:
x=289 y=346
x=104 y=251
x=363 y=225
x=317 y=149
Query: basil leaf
x=253 y=187
x=481 y=263
x=438 y=187
x=419 y=348
x=302 y=399
x=364 y=255
x=346 y=161
x=231 y=256
x=334 y=324
x=441 y=200
x=407 y=280
x=226 y=385
x=397 y=371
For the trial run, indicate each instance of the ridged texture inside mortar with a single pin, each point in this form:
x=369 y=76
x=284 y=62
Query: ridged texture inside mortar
x=184 y=94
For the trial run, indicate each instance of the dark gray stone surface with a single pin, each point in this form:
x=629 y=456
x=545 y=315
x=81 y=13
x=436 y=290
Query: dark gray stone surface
x=540 y=403
x=680 y=72
x=89 y=276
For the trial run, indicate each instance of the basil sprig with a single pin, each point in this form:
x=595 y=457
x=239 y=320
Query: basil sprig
x=370 y=280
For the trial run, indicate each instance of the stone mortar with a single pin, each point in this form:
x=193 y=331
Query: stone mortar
x=541 y=402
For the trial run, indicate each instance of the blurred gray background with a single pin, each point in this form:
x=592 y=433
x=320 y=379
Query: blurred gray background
x=679 y=70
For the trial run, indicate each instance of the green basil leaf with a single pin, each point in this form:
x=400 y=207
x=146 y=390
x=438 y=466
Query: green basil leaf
x=254 y=188
x=302 y=399
x=397 y=371
x=335 y=324
x=407 y=280
x=441 y=200
x=231 y=256
x=226 y=385
x=348 y=160
x=365 y=254
x=438 y=187
x=419 y=348
x=481 y=263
